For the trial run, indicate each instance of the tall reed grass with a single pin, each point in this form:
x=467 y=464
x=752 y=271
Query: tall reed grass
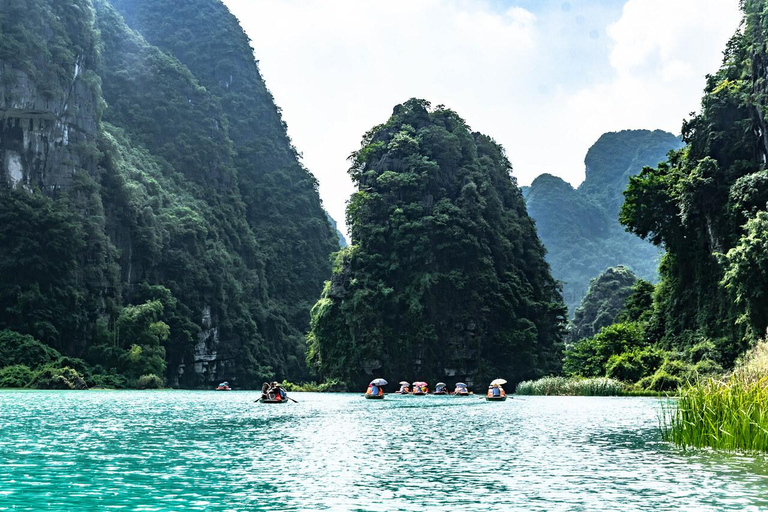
x=564 y=386
x=730 y=413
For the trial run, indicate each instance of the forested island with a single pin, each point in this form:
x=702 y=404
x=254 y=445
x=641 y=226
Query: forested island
x=446 y=276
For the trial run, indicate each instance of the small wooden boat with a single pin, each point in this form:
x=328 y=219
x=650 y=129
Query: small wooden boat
x=273 y=401
x=374 y=397
x=495 y=398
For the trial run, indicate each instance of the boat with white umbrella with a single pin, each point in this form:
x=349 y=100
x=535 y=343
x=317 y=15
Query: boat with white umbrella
x=495 y=391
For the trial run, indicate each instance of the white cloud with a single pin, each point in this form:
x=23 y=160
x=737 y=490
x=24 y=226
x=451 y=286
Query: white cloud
x=661 y=52
x=545 y=84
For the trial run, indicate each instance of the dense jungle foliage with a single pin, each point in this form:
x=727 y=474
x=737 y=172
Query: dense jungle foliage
x=580 y=227
x=626 y=352
x=192 y=246
x=445 y=276
x=707 y=207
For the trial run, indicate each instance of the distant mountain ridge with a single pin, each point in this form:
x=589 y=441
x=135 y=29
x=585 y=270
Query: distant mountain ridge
x=580 y=227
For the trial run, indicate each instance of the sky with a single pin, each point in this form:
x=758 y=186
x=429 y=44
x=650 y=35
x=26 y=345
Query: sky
x=544 y=78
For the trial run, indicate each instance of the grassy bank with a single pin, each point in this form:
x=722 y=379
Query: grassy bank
x=571 y=386
x=729 y=413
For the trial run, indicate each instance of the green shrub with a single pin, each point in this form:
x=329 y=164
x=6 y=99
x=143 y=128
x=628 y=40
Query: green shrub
x=329 y=385
x=79 y=365
x=705 y=367
x=676 y=368
x=644 y=383
x=625 y=367
x=53 y=377
x=150 y=381
x=15 y=376
x=111 y=380
x=705 y=349
x=23 y=349
x=544 y=386
x=589 y=357
x=663 y=381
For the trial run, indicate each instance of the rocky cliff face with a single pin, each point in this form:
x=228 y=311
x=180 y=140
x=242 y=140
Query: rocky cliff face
x=179 y=191
x=48 y=114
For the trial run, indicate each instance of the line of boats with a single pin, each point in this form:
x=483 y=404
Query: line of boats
x=273 y=393
x=375 y=389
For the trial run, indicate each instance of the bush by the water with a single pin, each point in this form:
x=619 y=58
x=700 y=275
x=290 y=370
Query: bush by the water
x=52 y=377
x=589 y=357
x=329 y=385
x=15 y=376
x=724 y=413
x=23 y=349
x=599 y=386
x=150 y=381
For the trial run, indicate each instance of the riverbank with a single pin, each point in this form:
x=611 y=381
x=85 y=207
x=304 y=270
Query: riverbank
x=728 y=413
x=578 y=386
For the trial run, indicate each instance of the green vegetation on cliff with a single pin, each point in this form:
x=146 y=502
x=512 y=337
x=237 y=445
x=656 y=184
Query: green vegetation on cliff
x=707 y=208
x=185 y=241
x=603 y=302
x=445 y=276
x=580 y=227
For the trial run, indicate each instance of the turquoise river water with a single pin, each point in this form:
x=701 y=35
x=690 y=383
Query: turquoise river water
x=195 y=450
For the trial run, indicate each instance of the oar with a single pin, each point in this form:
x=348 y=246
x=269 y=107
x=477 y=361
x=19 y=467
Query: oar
x=291 y=399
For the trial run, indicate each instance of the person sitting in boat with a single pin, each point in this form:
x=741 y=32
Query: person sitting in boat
x=404 y=389
x=279 y=392
x=373 y=389
x=461 y=389
x=265 y=391
x=441 y=389
x=274 y=391
x=496 y=391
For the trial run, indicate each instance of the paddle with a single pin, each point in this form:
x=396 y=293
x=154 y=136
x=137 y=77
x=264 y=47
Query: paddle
x=291 y=399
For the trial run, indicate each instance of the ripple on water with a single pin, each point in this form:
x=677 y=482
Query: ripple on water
x=186 y=450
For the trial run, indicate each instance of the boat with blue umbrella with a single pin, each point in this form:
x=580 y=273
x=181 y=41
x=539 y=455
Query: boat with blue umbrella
x=375 y=389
